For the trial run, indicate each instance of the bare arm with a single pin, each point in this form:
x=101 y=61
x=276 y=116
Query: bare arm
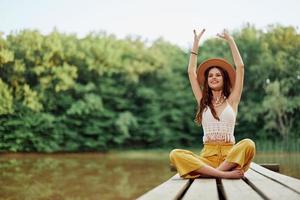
x=192 y=68
x=236 y=93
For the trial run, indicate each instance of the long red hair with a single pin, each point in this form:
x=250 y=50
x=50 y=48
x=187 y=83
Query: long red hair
x=207 y=95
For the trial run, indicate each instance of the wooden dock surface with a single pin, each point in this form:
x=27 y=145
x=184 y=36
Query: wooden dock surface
x=258 y=183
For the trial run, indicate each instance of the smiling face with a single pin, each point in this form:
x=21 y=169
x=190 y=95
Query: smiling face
x=215 y=79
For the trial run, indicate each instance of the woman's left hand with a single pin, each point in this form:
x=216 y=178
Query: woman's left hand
x=225 y=35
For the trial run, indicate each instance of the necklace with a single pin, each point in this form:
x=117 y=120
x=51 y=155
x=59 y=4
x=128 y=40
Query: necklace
x=218 y=100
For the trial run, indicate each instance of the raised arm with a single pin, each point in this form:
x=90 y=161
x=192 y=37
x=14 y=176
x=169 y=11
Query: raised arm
x=236 y=93
x=192 y=68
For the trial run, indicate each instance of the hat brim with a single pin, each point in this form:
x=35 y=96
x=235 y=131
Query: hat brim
x=219 y=62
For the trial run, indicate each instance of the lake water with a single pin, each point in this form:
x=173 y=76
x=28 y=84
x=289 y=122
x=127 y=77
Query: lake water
x=93 y=176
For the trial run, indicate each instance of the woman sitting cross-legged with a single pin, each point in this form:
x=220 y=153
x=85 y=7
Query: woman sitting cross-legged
x=217 y=87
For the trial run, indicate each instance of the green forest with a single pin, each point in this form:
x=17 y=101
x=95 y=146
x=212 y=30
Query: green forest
x=62 y=93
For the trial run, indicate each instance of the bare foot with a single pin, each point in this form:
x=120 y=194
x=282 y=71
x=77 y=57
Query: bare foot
x=199 y=175
x=205 y=176
x=226 y=166
x=234 y=174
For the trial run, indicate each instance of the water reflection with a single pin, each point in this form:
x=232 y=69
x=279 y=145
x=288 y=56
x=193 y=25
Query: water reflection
x=97 y=176
x=289 y=163
x=78 y=176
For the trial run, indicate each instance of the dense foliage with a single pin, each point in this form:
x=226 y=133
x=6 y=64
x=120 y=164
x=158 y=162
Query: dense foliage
x=62 y=93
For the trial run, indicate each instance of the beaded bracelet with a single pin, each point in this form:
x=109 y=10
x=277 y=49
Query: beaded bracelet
x=193 y=53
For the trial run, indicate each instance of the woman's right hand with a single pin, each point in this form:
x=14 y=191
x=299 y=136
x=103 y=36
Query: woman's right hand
x=197 y=39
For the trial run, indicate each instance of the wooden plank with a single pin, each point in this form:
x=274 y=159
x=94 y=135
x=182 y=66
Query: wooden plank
x=271 y=166
x=171 y=189
x=237 y=189
x=202 y=188
x=268 y=188
x=288 y=181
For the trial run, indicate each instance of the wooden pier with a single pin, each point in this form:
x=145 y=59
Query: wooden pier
x=258 y=183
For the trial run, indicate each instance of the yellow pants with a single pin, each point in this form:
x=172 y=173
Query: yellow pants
x=213 y=154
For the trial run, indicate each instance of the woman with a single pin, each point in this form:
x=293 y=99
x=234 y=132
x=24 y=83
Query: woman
x=217 y=88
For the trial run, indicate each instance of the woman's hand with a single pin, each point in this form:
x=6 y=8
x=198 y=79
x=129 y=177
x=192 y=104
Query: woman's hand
x=198 y=36
x=197 y=39
x=225 y=35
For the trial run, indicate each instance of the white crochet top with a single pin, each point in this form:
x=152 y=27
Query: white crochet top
x=219 y=131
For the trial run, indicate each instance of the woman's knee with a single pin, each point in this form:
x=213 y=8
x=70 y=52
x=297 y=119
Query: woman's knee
x=174 y=154
x=249 y=143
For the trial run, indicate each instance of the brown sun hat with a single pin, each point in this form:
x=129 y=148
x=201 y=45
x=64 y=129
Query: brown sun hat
x=219 y=62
